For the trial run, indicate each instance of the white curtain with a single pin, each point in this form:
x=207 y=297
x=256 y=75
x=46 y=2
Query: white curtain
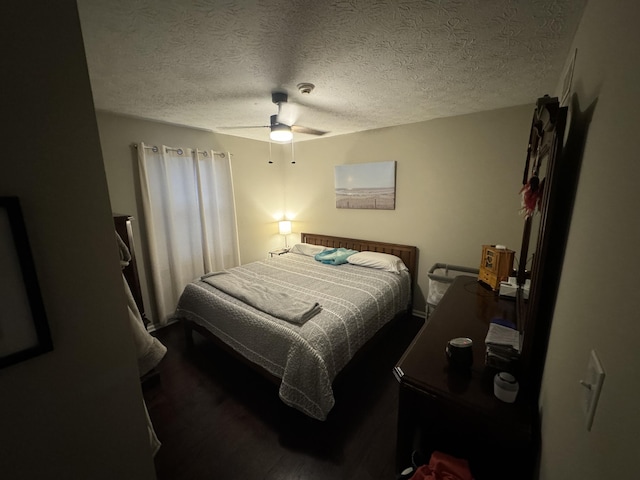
x=190 y=218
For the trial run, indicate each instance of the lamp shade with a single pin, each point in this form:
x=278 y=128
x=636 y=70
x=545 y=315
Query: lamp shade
x=280 y=133
x=284 y=227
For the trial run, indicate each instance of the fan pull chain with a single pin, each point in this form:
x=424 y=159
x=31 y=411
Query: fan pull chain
x=270 y=161
x=293 y=158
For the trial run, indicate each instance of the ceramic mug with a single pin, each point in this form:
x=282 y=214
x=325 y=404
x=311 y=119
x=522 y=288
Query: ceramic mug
x=460 y=352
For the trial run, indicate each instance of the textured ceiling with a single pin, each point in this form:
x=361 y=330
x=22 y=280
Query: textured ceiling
x=212 y=64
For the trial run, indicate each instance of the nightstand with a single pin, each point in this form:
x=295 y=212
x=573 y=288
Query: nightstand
x=280 y=251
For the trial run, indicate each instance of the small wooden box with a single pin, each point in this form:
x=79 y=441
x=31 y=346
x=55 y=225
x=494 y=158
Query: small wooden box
x=496 y=265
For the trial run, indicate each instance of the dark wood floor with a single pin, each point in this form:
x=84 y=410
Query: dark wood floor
x=218 y=419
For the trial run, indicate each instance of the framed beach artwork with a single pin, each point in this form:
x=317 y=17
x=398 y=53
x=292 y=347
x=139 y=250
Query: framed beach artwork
x=366 y=185
x=24 y=331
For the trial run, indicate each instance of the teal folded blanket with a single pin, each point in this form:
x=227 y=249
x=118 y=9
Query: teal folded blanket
x=335 y=256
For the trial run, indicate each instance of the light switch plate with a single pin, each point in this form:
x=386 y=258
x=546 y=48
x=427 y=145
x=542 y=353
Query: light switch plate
x=592 y=384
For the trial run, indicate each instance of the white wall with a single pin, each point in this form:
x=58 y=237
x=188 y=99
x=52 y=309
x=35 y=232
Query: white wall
x=75 y=412
x=597 y=307
x=457 y=183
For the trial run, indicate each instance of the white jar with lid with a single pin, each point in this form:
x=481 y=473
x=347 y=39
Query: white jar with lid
x=505 y=387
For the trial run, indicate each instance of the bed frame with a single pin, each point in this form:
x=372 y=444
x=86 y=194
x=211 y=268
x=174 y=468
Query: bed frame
x=408 y=254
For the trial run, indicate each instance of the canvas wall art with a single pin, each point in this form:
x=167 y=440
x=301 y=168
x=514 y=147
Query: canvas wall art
x=366 y=185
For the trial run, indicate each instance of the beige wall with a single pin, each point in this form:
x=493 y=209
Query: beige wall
x=75 y=412
x=457 y=183
x=597 y=307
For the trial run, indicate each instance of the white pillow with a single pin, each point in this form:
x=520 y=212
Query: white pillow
x=307 y=249
x=383 y=261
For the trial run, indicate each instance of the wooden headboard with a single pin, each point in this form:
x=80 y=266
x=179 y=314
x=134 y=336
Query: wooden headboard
x=408 y=253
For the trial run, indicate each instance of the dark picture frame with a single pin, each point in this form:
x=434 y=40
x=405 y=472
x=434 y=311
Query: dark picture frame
x=24 y=330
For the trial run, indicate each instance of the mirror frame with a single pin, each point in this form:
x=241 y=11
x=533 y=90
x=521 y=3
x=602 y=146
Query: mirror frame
x=534 y=311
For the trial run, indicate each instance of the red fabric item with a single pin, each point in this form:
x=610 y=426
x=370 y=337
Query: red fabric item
x=443 y=467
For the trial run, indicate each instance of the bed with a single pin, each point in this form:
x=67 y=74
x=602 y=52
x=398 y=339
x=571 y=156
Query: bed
x=305 y=353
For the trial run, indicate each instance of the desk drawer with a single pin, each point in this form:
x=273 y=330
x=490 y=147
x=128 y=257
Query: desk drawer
x=488 y=277
x=428 y=423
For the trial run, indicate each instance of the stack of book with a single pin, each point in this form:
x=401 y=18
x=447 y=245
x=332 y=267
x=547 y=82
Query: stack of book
x=503 y=345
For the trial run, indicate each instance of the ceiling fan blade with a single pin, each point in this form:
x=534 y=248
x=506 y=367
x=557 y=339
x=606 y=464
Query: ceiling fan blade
x=286 y=117
x=239 y=127
x=307 y=130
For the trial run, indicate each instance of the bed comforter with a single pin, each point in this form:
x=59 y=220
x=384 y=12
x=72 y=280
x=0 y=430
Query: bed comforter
x=355 y=303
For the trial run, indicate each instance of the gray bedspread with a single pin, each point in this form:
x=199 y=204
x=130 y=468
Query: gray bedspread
x=355 y=303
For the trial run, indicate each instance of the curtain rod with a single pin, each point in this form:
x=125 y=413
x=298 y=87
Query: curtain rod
x=180 y=151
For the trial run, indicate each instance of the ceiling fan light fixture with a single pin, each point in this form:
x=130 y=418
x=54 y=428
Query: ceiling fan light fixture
x=281 y=133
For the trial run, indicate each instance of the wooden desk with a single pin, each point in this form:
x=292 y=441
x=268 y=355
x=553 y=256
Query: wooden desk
x=443 y=409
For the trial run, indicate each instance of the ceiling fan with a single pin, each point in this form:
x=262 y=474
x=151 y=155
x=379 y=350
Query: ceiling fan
x=282 y=124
